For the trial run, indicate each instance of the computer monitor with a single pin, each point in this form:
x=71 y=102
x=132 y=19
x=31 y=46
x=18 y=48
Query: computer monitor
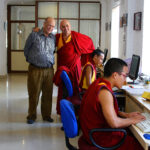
x=134 y=68
x=105 y=55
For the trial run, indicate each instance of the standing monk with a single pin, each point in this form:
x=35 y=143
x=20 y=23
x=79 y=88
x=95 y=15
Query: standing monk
x=70 y=46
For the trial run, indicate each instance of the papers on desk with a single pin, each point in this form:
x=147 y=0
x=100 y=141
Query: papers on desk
x=124 y=87
x=135 y=89
x=133 y=86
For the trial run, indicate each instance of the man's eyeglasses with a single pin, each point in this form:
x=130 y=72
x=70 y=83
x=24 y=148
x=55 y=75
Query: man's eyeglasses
x=123 y=74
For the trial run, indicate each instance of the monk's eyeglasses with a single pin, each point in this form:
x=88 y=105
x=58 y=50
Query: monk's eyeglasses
x=123 y=74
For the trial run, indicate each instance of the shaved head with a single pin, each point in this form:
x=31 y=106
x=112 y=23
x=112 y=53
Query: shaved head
x=65 y=27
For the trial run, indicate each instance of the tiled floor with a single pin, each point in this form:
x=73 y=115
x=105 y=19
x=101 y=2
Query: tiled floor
x=15 y=133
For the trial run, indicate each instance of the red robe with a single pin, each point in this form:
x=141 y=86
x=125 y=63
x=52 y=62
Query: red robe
x=69 y=56
x=91 y=116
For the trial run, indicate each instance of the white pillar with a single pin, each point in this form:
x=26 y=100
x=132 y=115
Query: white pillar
x=3 y=50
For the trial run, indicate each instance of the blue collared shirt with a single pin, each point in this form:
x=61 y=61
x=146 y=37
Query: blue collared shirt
x=39 y=49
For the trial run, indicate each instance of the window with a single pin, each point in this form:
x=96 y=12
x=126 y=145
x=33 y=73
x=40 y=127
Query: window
x=146 y=45
x=85 y=17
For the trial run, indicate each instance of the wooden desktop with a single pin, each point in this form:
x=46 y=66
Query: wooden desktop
x=134 y=102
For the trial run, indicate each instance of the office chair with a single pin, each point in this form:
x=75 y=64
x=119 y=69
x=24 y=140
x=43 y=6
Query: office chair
x=105 y=55
x=69 y=95
x=67 y=85
x=71 y=127
x=69 y=122
x=100 y=70
x=68 y=90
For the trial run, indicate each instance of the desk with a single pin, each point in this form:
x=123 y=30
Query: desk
x=134 y=102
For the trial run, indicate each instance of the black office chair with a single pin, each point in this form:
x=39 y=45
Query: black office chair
x=100 y=71
x=71 y=127
x=105 y=55
x=107 y=130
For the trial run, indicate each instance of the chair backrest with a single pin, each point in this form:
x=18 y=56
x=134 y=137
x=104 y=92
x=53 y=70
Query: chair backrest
x=68 y=118
x=66 y=80
x=68 y=90
x=105 y=55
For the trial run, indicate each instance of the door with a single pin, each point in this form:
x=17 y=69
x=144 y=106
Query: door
x=21 y=20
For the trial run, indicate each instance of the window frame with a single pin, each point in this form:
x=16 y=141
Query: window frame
x=77 y=19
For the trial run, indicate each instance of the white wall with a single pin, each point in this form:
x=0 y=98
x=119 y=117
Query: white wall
x=3 y=50
x=133 y=43
x=108 y=9
x=3 y=18
x=130 y=41
x=134 y=38
x=103 y=18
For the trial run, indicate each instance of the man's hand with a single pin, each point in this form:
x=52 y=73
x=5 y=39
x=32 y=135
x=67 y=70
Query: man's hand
x=36 y=29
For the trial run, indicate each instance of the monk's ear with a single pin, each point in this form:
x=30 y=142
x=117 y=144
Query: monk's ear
x=60 y=27
x=114 y=75
x=95 y=57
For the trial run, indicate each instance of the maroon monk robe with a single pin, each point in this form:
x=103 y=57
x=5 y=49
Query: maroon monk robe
x=69 y=56
x=91 y=116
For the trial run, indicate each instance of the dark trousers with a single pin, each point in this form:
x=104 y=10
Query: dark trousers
x=40 y=80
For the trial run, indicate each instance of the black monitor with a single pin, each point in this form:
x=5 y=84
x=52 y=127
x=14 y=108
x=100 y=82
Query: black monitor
x=105 y=55
x=134 y=68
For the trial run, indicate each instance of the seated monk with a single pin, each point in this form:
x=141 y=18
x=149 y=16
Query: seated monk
x=88 y=74
x=99 y=109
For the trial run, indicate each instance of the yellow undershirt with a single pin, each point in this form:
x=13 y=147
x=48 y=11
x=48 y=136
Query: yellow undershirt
x=60 y=42
x=92 y=79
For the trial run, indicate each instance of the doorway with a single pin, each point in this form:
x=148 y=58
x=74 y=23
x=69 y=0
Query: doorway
x=115 y=32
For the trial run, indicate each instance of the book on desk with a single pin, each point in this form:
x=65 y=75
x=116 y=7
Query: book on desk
x=146 y=95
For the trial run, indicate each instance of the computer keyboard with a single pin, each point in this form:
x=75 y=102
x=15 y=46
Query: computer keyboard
x=144 y=126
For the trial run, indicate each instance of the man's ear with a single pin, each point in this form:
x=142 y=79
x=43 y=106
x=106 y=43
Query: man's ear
x=44 y=23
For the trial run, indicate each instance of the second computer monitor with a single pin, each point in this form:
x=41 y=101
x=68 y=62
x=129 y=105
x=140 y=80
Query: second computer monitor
x=134 y=67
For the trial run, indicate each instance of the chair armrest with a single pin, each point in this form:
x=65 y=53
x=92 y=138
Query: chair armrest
x=107 y=130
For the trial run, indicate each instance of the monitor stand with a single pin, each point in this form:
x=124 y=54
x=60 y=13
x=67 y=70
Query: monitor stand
x=133 y=82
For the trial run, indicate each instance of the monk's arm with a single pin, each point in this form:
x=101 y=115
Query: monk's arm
x=107 y=104
x=88 y=75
